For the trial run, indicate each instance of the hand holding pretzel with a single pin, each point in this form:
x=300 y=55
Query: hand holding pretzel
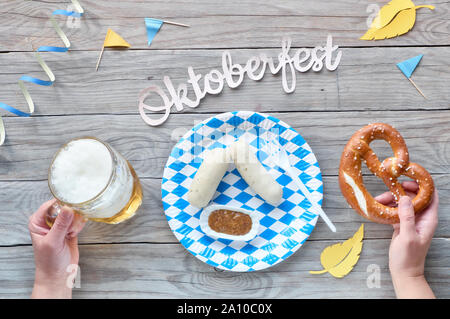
x=351 y=181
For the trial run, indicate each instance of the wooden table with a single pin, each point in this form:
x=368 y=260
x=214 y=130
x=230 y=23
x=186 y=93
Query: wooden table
x=142 y=258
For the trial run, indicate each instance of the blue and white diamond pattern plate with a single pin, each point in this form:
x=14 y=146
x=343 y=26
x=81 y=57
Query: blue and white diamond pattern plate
x=283 y=229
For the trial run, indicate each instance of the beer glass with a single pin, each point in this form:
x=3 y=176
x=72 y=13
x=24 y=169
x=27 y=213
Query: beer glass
x=95 y=180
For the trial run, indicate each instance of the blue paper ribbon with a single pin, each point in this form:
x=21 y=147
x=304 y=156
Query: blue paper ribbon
x=68 y=13
x=52 y=49
x=37 y=81
x=13 y=110
x=30 y=79
x=153 y=26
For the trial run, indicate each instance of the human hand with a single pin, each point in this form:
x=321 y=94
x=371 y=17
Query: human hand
x=410 y=241
x=54 y=250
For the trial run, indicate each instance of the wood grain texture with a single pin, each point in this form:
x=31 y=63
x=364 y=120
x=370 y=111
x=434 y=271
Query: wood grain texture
x=141 y=258
x=356 y=85
x=31 y=143
x=169 y=271
x=20 y=199
x=243 y=24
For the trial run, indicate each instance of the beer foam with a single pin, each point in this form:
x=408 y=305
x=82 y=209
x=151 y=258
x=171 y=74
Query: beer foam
x=81 y=170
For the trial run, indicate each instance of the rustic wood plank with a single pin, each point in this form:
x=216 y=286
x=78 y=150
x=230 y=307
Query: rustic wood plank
x=31 y=143
x=20 y=199
x=248 y=24
x=355 y=85
x=142 y=258
x=169 y=271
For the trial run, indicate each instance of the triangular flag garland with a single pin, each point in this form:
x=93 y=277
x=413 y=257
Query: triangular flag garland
x=25 y=78
x=396 y=18
x=153 y=25
x=112 y=40
x=408 y=66
x=339 y=259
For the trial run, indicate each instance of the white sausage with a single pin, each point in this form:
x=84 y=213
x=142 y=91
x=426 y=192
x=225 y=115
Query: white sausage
x=256 y=176
x=208 y=176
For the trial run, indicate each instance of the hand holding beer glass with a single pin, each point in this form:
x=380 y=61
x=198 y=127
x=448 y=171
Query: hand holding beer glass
x=95 y=180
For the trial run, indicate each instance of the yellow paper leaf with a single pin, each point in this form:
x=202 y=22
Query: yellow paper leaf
x=389 y=11
x=339 y=259
x=333 y=255
x=349 y=262
x=401 y=24
x=393 y=20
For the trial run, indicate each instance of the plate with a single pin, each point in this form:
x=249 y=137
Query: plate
x=283 y=229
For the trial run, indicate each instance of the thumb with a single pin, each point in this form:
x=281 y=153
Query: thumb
x=407 y=217
x=61 y=226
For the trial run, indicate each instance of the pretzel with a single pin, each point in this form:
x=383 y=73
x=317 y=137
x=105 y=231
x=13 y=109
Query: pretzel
x=351 y=180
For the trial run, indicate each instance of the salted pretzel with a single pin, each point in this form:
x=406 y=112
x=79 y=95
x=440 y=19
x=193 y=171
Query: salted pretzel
x=351 y=181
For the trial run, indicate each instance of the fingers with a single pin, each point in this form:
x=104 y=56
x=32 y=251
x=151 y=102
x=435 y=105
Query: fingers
x=428 y=219
x=407 y=217
x=432 y=210
x=411 y=188
x=77 y=225
x=385 y=198
x=37 y=222
x=434 y=203
x=396 y=228
x=61 y=226
x=75 y=254
x=39 y=215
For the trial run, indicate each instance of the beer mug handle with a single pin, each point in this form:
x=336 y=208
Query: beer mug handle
x=52 y=213
x=77 y=223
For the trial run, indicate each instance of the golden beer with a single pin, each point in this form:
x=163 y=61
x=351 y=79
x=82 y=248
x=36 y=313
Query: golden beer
x=95 y=180
x=131 y=207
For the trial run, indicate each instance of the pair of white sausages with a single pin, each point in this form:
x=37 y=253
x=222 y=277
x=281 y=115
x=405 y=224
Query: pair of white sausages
x=215 y=165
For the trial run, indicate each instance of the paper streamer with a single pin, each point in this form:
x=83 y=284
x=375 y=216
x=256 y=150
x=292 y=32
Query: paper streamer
x=153 y=26
x=25 y=78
